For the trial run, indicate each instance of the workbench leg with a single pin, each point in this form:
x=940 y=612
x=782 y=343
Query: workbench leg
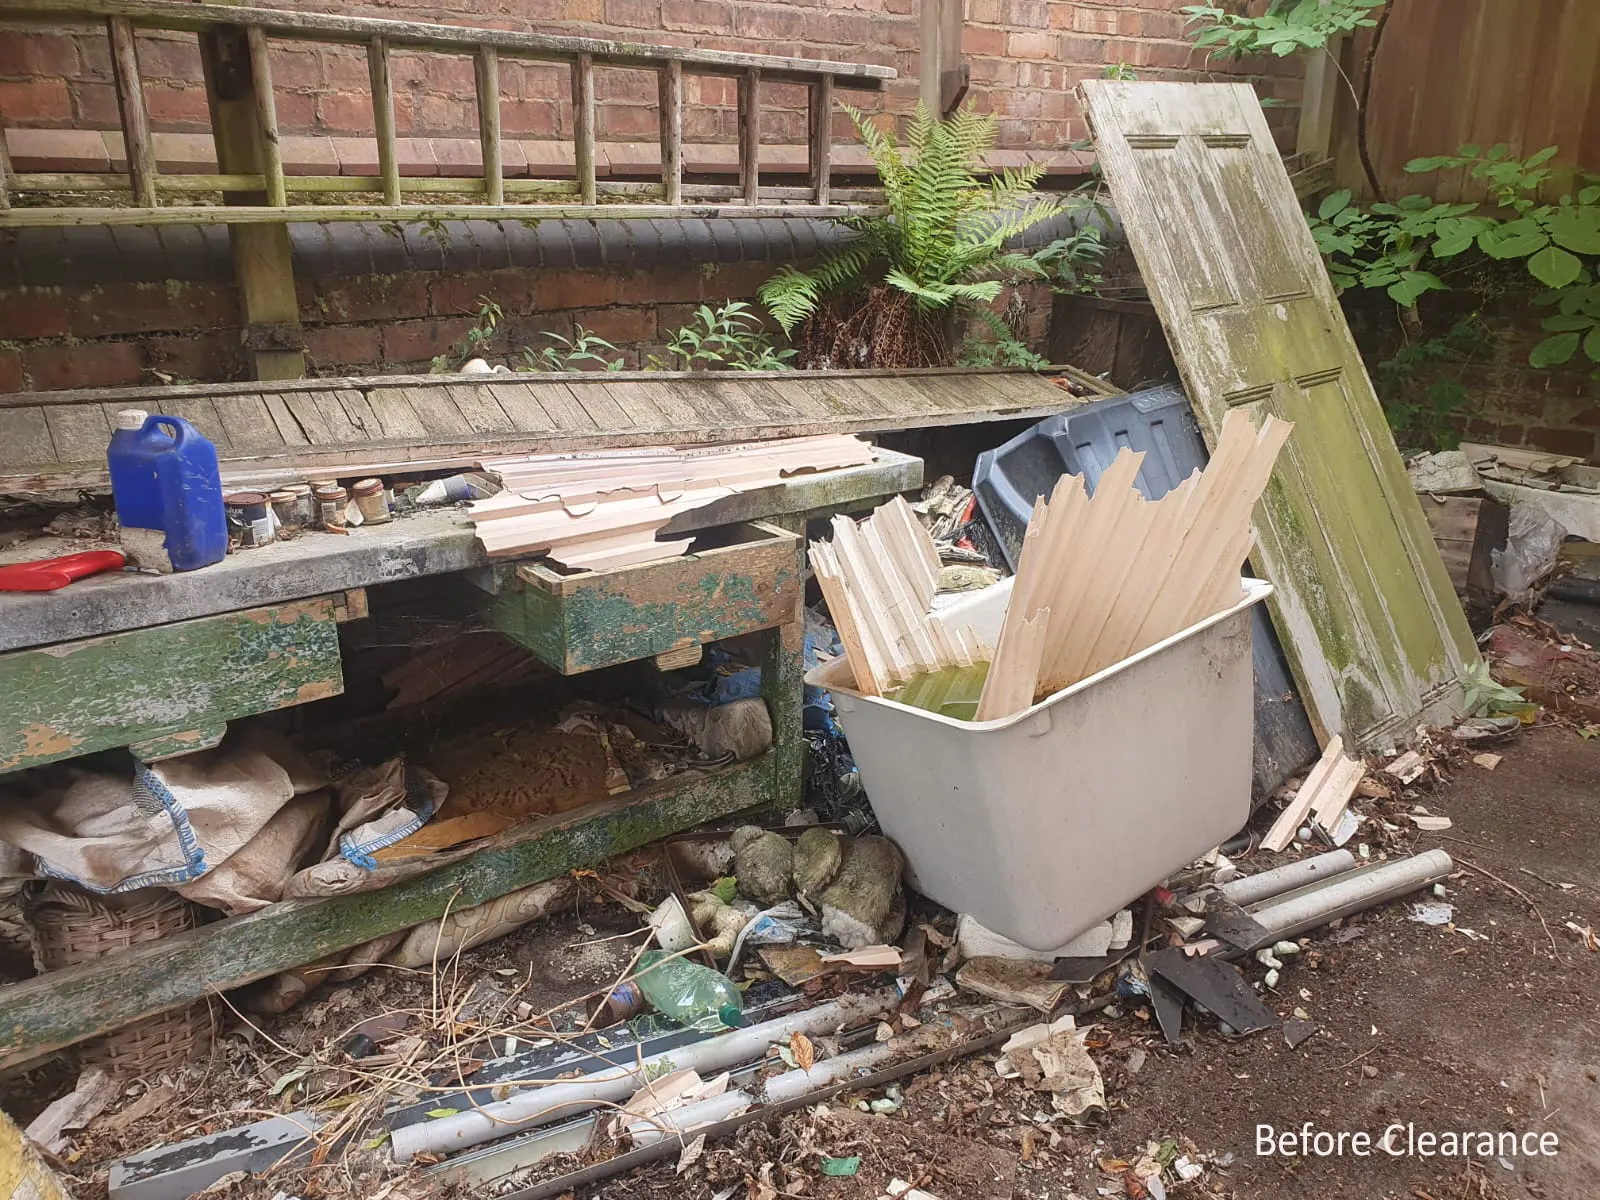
x=783 y=688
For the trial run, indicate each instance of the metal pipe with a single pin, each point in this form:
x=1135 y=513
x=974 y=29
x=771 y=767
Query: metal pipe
x=541 y=1105
x=1309 y=907
x=1288 y=877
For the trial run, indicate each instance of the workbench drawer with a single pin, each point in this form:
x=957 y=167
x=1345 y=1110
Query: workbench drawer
x=168 y=688
x=748 y=577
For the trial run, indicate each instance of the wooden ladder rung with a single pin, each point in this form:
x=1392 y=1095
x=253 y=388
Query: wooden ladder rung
x=819 y=137
x=267 y=117
x=583 y=126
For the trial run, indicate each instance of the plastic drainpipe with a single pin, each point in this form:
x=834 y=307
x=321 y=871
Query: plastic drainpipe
x=552 y=1102
x=780 y=1088
x=1288 y=877
x=1350 y=893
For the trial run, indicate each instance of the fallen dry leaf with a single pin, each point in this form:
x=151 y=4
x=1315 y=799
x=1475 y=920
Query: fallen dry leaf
x=691 y=1153
x=151 y=1102
x=1487 y=761
x=805 y=1054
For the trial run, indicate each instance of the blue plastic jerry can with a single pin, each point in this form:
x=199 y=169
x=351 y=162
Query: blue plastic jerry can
x=168 y=490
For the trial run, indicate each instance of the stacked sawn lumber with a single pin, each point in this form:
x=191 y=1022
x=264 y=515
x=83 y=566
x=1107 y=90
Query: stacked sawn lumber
x=1102 y=578
x=879 y=578
x=598 y=509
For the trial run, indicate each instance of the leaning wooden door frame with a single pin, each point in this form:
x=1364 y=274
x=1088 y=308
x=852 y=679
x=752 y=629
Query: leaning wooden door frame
x=1374 y=633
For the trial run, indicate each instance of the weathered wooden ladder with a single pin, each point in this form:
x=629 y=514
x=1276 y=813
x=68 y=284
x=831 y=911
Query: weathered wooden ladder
x=235 y=49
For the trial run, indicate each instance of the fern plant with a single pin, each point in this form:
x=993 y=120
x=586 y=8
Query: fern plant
x=942 y=242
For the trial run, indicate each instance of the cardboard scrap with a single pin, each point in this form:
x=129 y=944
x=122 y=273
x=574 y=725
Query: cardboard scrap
x=1012 y=982
x=95 y=1089
x=1487 y=761
x=1052 y=1058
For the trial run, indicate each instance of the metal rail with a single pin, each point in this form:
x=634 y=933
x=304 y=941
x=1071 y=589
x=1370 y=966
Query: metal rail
x=235 y=45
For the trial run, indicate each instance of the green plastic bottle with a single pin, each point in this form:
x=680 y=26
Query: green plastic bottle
x=690 y=993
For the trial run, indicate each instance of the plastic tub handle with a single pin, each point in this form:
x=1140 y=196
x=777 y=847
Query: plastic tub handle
x=174 y=427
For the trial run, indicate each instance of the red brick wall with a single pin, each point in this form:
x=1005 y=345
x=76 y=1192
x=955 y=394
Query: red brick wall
x=1026 y=56
x=1555 y=408
x=122 y=334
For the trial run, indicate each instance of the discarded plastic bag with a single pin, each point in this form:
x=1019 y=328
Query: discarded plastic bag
x=382 y=805
x=1533 y=540
x=167 y=824
x=469 y=927
x=256 y=874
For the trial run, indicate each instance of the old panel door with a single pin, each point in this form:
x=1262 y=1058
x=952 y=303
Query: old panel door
x=1374 y=634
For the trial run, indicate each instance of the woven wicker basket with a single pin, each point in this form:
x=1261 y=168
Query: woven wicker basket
x=72 y=926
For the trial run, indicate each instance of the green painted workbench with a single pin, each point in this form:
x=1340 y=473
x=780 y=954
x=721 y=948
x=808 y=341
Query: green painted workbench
x=260 y=631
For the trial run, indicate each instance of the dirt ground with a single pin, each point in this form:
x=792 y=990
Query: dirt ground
x=1491 y=1031
x=1480 y=1026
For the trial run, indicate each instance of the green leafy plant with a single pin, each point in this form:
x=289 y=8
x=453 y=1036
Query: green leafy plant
x=1419 y=393
x=485 y=321
x=941 y=246
x=1285 y=27
x=1406 y=247
x=1004 y=350
x=565 y=353
x=729 y=336
x=1071 y=264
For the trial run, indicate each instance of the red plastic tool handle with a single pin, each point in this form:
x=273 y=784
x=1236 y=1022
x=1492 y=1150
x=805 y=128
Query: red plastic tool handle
x=48 y=574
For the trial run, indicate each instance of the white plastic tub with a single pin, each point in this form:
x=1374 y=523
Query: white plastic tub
x=1045 y=822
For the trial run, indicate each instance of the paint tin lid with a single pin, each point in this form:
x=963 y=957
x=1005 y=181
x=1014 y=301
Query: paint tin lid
x=244 y=499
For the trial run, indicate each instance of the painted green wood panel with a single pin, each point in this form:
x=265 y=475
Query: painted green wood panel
x=78 y=697
x=578 y=623
x=1362 y=603
x=66 y=1006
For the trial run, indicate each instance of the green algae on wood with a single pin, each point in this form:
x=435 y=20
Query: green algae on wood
x=578 y=623
x=146 y=685
x=62 y=1007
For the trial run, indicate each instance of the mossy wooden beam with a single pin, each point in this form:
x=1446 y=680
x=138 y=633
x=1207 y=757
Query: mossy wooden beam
x=62 y=1007
x=147 y=685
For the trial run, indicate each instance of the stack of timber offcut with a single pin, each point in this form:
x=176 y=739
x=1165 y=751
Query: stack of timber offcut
x=1099 y=579
x=879 y=579
x=600 y=509
x=1102 y=578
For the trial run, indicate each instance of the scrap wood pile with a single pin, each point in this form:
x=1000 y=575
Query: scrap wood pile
x=1099 y=579
x=593 y=510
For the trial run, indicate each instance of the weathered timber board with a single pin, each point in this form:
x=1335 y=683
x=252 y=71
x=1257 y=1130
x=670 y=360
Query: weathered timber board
x=63 y=1007
x=578 y=623
x=146 y=684
x=294 y=429
x=1374 y=634
x=430 y=543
